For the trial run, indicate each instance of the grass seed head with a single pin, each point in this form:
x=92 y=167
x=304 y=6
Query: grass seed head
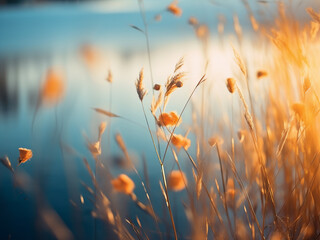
x=139 y=85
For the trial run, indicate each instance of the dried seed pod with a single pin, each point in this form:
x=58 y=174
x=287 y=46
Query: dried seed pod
x=261 y=74
x=231 y=85
x=179 y=84
x=157 y=87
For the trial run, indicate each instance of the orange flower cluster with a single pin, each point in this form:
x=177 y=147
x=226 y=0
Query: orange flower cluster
x=180 y=141
x=177 y=181
x=123 y=184
x=169 y=119
x=24 y=155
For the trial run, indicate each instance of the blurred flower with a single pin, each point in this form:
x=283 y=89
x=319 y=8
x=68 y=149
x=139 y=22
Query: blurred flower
x=123 y=184
x=169 y=119
x=174 y=9
x=177 y=181
x=180 y=141
x=53 y=87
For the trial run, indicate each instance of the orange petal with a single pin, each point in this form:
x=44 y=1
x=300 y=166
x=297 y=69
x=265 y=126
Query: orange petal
x=25 y=155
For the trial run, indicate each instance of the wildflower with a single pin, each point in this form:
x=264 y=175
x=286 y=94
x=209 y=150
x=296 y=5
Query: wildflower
x=177 y=181
x=53 y=87
x=180 y=141
x=123 y=184
x=174 y=9
x=231 y=85
x=24 y=155
x=169 y=119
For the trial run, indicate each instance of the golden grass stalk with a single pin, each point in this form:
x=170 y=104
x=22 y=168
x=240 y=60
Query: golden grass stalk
x=105 y=112
x=6 y=162
x=139 y=86
x=240 y=62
